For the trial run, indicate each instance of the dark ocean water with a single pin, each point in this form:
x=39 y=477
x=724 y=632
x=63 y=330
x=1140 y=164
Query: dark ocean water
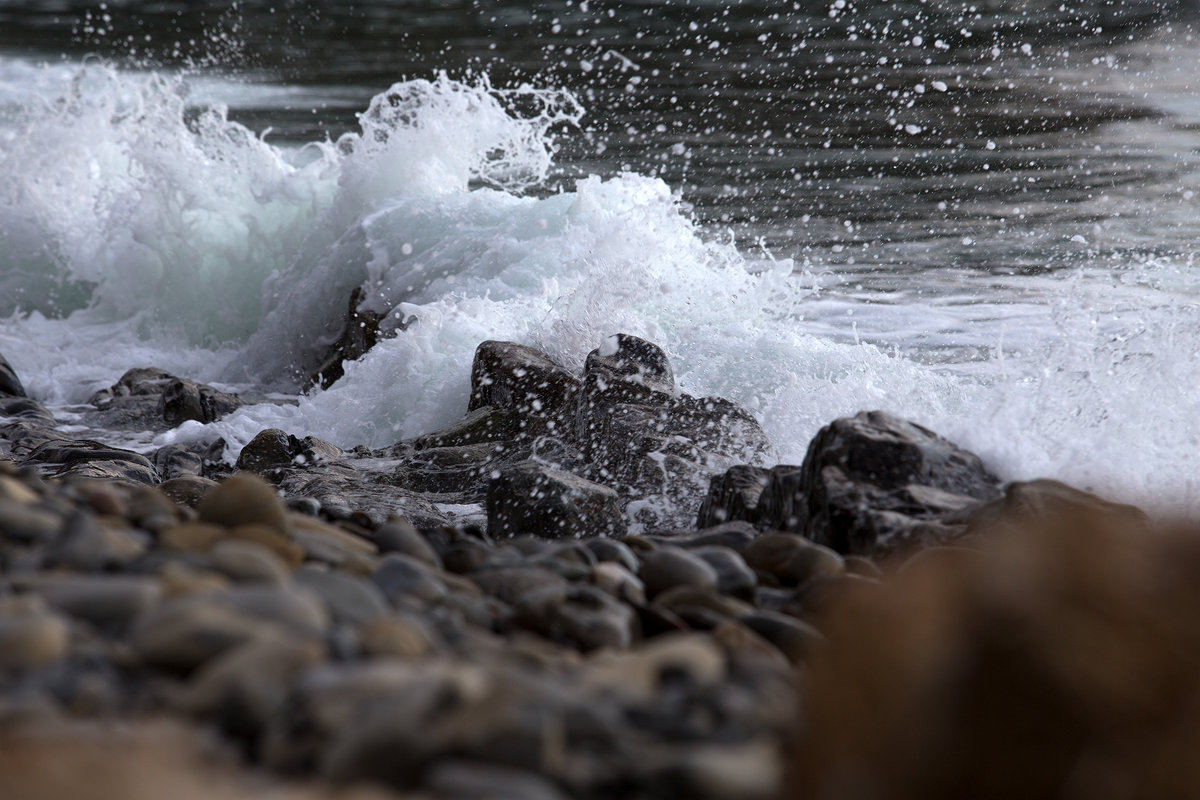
x=898 y=135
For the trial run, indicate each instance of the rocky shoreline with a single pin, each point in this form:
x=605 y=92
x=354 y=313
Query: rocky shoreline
x=591 y=586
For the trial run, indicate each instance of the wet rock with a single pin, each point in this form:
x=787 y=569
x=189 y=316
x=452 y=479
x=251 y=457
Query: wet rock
x=359 y=335
x=733 y=495
x=400 y=576
x=10 y=384
x=184 y=400
x=177 y=460
x=187 y=490
x=619 y=582
x=349 y=599
x=273 y=449
x=26 y=410
x=685 y=600
x=647 y=440
x=535 y=394
x=244 y=499
x=89 y=459
x=531 y=498
x=482 y=425
x=792 y=559
x=875 y=484
x=1047 y=501
x=611 y=550
x=734 y=535
x=667 y=567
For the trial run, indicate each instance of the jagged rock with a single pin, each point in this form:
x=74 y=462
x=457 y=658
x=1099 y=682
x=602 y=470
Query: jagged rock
x=539 y=500
x=10 y=384
x=184 y=399
x=274 y=449
x=88 y=459
x=25 y=408
x=536 y=394
x=875 y=484
x=358 y=336
x=151 y=398
x=646 y=440
x=177 y=460
x=733 y=495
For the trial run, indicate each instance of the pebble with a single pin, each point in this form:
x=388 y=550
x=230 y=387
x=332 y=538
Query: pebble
x=244 y=499
x=33 y=640
x=397 y=535
x=248 y=562
x=108 y=601
x=25 y=523
x=792 y=559
x=401 y=576
x=669 y=566
x=268 y=537
x=193 y=537
x=350 y=599
x=734 y=576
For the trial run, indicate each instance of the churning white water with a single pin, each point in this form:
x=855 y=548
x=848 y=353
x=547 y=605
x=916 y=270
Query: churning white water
x=140 y=226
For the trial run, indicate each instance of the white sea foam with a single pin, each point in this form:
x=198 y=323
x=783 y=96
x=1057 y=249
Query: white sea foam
x=136 y=230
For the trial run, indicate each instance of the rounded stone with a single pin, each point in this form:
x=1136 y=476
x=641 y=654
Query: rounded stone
x=794 y=638
x=395 y=637
x=187 y=490
x=279 y=544
x=619 y=582
x=32 y=641
x=350 y=599
x=734 y=576
x=192 y=537
x=792 y=559
x=667 y=567
x=244 y=499
x=248 y=562
x=401 y=576
x=611 y=550
x=398 y=535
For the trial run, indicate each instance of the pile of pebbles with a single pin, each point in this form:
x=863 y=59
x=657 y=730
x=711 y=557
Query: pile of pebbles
x=320 y=616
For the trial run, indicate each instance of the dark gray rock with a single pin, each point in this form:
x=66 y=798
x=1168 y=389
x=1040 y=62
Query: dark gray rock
x=25 y=408
x=90 y=459
x=647 y=441
x=533 y=393
x=183 y=400
x=876 y=484
x=733 y=495
x=531 y=498
x=273 y=449
x=177 y=460
x=360 y=333
x=10 y=384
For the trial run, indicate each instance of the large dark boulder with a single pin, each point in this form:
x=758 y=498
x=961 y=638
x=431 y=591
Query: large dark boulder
x=183 y=400
x=85 y=458
x=527 y=389
x=872 y=484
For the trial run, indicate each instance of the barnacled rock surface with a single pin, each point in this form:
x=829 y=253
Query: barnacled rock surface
x=517 y=604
